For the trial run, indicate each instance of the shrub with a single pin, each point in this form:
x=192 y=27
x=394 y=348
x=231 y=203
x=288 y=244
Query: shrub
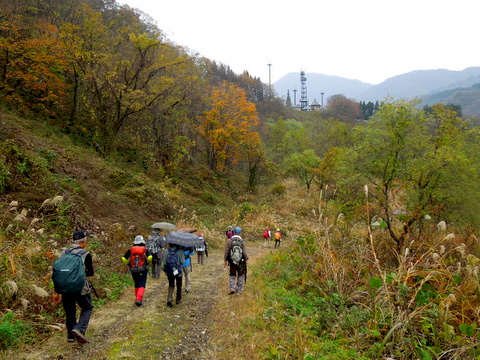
x=11 y=331
x=279 y=189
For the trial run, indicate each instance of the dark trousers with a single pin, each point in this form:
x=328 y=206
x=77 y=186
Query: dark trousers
x=70 y=302
x=172 y=281
x=140 y=279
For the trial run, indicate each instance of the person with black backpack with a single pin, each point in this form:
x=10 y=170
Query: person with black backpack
x=69 y=277
x=137 y=258
x=172 y=265
x=156 y=244
x=236 y=257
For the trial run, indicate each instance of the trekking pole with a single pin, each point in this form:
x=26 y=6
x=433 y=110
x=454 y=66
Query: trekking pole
x=93 y=288
x=245 y=272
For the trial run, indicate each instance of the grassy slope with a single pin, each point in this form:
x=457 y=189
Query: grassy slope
x=324 y=299
x=112 y=201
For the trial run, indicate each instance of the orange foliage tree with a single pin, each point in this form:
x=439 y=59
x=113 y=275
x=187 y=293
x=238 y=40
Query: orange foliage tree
x=32 y=64
x=227 y=126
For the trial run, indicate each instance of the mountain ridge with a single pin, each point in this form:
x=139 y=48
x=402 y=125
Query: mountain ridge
x=428 y=85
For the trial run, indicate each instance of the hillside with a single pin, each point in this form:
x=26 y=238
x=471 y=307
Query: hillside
x=467 y=97
x=111 y=127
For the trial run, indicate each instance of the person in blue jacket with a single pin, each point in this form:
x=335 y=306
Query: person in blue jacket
x=187 y=267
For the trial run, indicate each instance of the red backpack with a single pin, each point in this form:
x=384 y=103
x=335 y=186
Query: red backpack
x=138 y=259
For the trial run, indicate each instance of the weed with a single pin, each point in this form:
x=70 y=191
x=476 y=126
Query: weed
x=11 y=331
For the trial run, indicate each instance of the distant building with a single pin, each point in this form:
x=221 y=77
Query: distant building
x=315 y=105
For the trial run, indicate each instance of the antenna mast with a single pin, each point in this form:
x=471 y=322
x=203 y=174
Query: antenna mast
x=303 y=99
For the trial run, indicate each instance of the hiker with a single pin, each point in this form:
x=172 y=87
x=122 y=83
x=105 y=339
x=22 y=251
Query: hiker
x=236 y=257
x=229 y=232
x=156 y=245
x=267 y=234
x=278 y=238
x=187 y=267
x=76 y=329
x=137 y=258
x=173 y=260
x=201 y=250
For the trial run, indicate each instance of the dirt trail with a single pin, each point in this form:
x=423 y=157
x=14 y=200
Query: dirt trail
x=120 y=330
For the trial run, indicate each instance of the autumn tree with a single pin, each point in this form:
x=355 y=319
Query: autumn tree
x=339 y=106
x=119 y=74
x=230 y=120
x=32 y=62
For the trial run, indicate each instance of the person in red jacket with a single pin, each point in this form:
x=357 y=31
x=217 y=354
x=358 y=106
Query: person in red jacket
x=267 y=235
x=137 y=258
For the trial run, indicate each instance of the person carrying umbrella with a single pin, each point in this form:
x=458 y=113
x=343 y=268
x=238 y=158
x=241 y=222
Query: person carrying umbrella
x=156 y=245
x=172 y=265
x=173 y=260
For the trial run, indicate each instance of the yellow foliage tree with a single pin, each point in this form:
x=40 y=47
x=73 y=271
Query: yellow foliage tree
x=227 y=125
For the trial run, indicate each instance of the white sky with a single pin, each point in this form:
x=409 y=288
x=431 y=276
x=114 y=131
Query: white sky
x=367 y=40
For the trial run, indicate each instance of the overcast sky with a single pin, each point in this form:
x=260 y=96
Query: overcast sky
x=369 y=40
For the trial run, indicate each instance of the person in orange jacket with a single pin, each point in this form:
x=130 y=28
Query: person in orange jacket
x=278 y=238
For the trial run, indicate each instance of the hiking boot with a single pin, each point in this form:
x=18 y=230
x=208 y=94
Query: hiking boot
x=178 y=301
x=231 y=292
x=169 y=304
x=138 y=303
x=187 y=291
x=77 y=335
x=70 y=339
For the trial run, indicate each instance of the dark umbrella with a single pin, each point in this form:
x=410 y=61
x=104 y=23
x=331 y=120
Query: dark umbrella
x=189 y=230
x=164 y=225
x=183 y=238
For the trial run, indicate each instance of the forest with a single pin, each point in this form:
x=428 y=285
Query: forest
x=382 y=201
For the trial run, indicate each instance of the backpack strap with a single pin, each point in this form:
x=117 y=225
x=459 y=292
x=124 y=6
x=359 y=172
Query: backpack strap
x=81 y=252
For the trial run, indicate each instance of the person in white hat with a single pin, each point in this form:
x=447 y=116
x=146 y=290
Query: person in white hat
x=137 y=258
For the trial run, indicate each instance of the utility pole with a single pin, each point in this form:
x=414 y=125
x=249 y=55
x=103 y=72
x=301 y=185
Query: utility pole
x=269 y=81
x=295 y=97
x=322 y=98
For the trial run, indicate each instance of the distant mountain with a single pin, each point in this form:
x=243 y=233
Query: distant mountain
x=432 y=86
x=318 y=84
x=421 y=82
x=467 y=98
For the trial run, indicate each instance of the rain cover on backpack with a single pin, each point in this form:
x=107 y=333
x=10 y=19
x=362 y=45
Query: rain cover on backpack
x=68 y=273
x=236 y=251
x=172 y=266
x=138 y=259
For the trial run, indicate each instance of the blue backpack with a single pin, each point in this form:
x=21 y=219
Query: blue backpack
x=171 y=261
